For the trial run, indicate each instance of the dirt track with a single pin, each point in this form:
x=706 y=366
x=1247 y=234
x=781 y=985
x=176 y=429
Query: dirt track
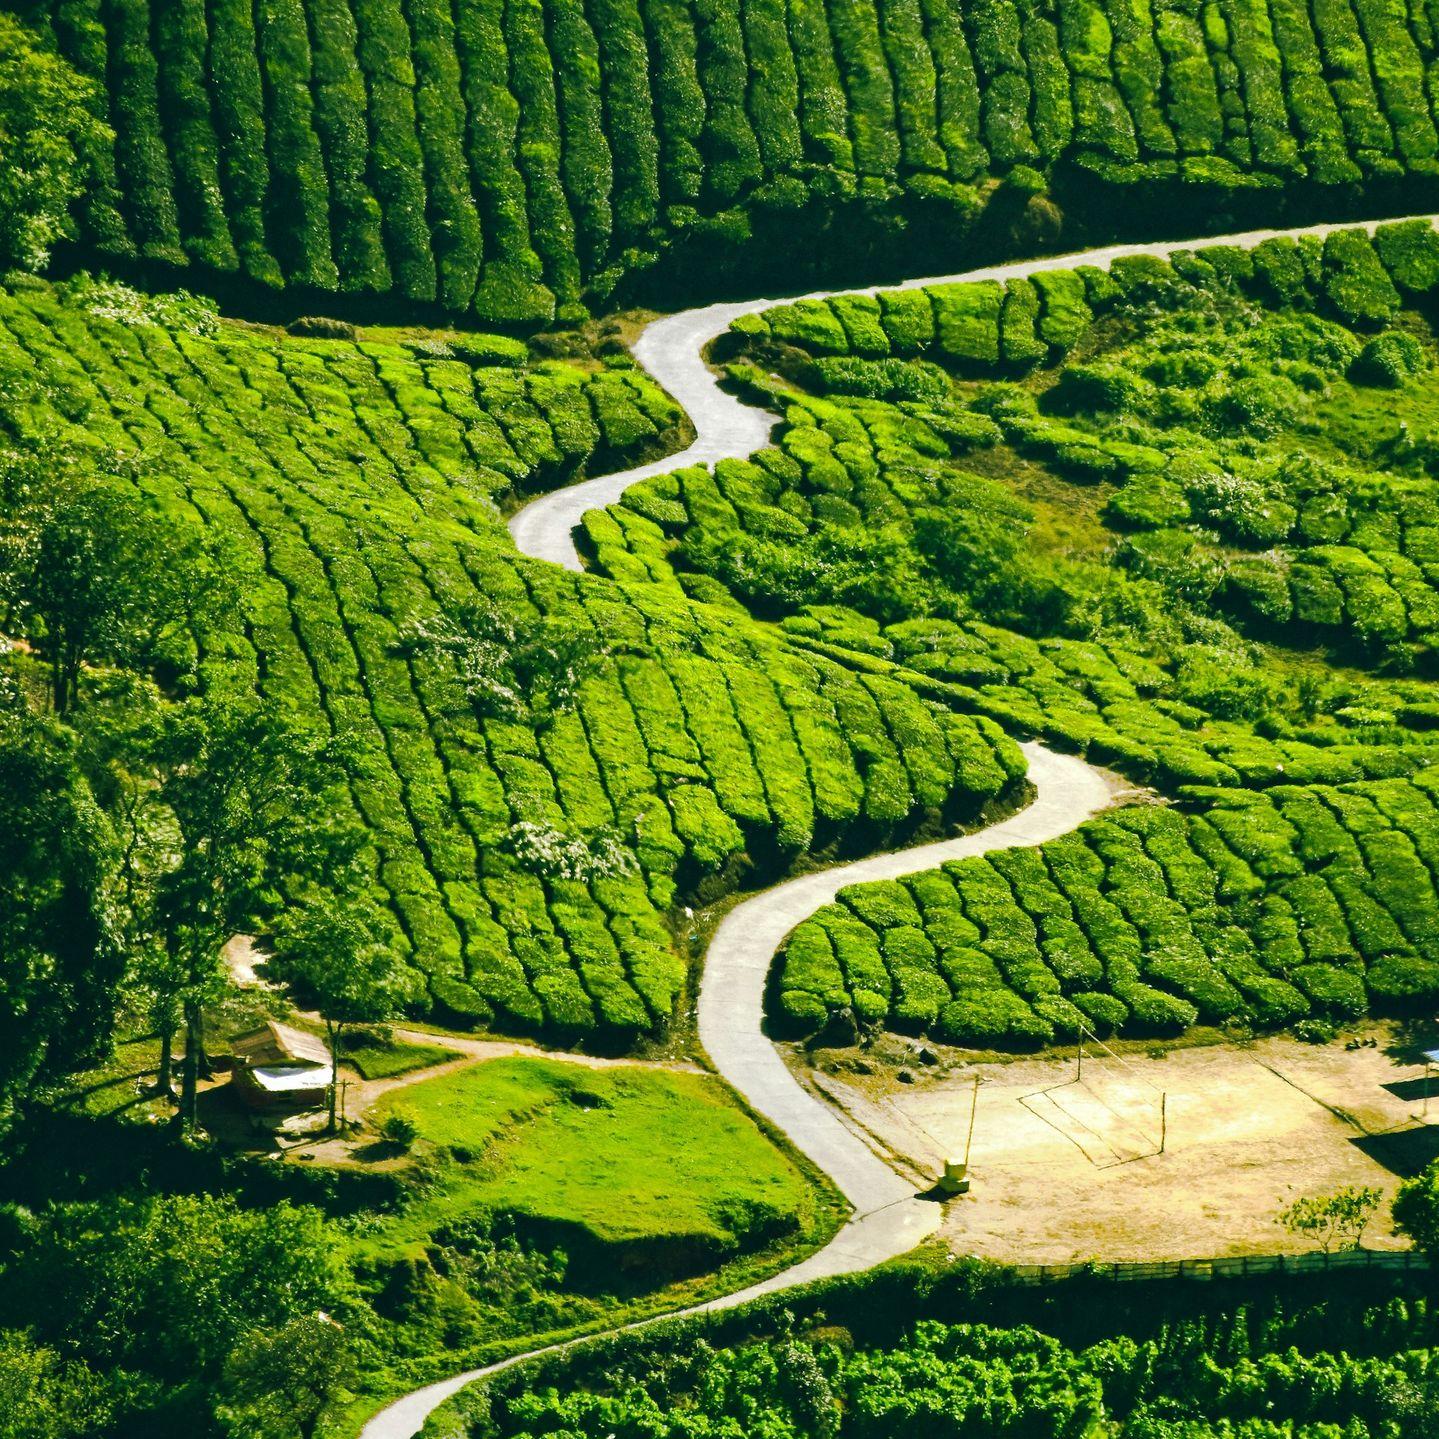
x=1067 y=1171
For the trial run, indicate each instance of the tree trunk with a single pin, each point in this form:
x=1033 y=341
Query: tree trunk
x=165 y=1079
x=202 y=1055
x=65 y=677
x=190 y=1070
x=332 y=1032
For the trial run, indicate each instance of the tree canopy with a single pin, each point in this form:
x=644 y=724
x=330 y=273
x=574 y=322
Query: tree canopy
x=48 y=133
x=58 y=963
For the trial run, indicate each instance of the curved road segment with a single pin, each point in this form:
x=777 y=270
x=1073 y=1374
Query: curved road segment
x=672 y=350
x=888 y=1217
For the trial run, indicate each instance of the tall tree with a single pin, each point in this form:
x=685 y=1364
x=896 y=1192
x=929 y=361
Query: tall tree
x=58 y=964
x=168 y=1284
x=44 y=1397
x=279 y=1382
x=120 y=734
x=91 y=573
x=250 y=794
x=48 y=135
x=332 y=956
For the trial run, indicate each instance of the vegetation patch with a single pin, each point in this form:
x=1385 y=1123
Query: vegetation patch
x=377 y=1057
x=966 y=1351
x=632 y=1172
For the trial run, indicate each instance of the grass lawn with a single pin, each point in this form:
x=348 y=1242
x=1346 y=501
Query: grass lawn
x=384 y=1059
x=630 y=1166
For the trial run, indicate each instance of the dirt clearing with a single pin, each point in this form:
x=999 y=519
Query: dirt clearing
x=1067 y=1169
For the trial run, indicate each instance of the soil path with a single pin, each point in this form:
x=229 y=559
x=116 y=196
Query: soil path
x=888 y=1218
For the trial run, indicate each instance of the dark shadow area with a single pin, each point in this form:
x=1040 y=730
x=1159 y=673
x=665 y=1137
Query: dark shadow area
x=377 y=1151
x=77 y=1157
x=1414 y=1091
x=1404 y=1152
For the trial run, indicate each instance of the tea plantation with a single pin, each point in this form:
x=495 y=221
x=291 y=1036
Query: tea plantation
x=1223 y=431
x=353 y=485
x=515 y=160
x=302 y=300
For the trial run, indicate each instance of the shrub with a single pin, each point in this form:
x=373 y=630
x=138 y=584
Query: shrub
x=399 y=1130
x=1388 y=360
x=322 y=327
x=477 y=349
x=1354 y=280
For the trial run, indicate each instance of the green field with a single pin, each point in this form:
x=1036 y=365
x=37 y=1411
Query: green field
x=635 y=1172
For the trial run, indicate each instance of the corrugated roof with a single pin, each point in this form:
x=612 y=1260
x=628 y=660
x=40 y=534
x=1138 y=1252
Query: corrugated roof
x=276 y=1043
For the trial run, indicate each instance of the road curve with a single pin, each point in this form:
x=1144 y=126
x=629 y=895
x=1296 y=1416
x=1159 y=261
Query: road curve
x=888 y=1218
x=671 y=349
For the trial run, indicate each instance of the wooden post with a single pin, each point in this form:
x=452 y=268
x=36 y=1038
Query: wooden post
x=1163 y=1119
x=973 y=1110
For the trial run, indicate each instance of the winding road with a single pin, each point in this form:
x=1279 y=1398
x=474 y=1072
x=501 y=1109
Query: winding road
x=888 y=1218
x=726 y=428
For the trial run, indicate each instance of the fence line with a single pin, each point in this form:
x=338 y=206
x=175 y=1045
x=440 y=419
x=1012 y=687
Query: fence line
x=1235 y=1267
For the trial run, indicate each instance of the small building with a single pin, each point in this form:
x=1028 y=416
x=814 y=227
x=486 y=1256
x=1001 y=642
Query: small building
x=281 y=1068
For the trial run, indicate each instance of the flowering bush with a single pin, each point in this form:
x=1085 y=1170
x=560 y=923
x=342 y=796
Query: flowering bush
x=552 y=853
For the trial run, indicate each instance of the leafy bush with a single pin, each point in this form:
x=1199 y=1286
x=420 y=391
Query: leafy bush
x=321 y=327
x=399 y=1130
x=50 y=145
x=1388 y=360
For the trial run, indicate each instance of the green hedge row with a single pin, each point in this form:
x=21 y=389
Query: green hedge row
x=975 y=326
x=1261 y=908
x=353 y=482
x=770 y=530
x=499 y=158
x=1226 y=349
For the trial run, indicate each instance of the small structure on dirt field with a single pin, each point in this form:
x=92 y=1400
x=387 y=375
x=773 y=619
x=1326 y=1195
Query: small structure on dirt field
x=277 y=1067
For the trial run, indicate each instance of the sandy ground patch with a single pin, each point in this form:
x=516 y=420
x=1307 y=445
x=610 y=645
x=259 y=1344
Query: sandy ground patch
x=1069 y=1170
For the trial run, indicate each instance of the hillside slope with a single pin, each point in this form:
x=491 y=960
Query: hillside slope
x=505 y=157
x=351 y=485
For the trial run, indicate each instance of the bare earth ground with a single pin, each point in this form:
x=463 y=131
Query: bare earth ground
x=1067 y=1170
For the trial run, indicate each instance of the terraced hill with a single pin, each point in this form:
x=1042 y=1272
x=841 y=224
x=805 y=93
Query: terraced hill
x=1242 y=435
x=507 y=158
x=353 y=487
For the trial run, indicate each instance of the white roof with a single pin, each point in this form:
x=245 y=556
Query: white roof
x=278 y=1078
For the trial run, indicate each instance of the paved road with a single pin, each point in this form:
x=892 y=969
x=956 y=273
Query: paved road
x=888 y=1218
x=671 y=349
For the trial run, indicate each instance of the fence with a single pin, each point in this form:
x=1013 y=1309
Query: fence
x=1236 y=1267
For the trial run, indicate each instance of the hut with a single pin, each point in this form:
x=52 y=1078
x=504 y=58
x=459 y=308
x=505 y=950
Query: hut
x=281 y=1068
